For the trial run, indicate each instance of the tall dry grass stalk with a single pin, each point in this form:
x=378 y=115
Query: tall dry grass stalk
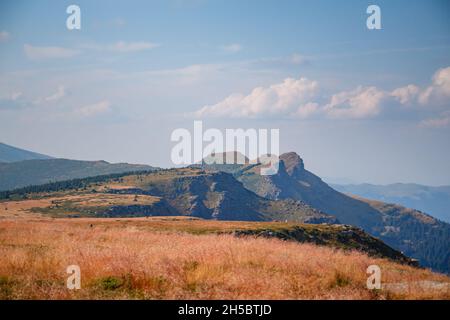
x=124 y=261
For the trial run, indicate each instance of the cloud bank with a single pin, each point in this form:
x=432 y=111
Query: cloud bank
x=301 y=98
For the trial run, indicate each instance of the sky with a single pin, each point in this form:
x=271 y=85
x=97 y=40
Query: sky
x=358 y=105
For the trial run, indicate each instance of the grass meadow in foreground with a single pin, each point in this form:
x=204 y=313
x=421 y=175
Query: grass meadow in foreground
x=130 y=259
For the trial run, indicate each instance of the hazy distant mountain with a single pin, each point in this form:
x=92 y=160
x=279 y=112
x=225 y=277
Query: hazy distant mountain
x=433 y=200
x=415 y=233
x=34 y=172
x=11 y=154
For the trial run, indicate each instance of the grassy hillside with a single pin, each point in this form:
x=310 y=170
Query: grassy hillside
x=415 y=233
x=187 y=191
x=33 y=172
x=175 y=258
x=294 y=194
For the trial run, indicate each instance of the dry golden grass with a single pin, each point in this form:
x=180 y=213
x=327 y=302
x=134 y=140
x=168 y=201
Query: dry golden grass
x=104 y=200
x=70 y=203
x=22 y=209
x=131 y=259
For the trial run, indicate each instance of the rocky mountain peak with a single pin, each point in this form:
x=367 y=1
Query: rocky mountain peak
x=293 y=163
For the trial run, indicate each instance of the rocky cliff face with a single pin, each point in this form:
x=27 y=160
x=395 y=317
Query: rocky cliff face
x=415 y=233
x=218 y=195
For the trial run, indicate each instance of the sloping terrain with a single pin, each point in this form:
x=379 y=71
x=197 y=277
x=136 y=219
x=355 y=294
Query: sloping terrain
x=415 y=233
x=294 y=194
x=190 y=192
x=11 y=154
x=189 y=258
x=433 y=200
x=34 y=172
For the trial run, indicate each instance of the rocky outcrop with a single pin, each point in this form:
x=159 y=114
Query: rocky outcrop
x=416 y=234
x=339 y=236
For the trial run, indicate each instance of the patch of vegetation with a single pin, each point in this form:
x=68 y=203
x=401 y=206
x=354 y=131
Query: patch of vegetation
x=6 y=287
x=340 y=280
x=111 y=283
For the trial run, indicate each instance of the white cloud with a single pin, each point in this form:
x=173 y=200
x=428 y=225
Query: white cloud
x=363 y=102
x=436 y=93
x=307 y=110
x=94 y=109
x=4 y=36
x=123 y=46
x=278 y=99
x=297 y=59
x=60 y=93
x=38 y=53
x=439 y=90
x=298 y=98
x=406 y=95
x=15 y=95
x=11 y=100
x=232 y=48
x=441 y=122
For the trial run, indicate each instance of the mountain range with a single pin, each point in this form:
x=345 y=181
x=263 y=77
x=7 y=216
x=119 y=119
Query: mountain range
x=11 y=154
x=415 y=233
x=433 y=200
x=227 y=192
x=20 y=168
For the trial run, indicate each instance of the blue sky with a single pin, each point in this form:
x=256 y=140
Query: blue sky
x=364 y=105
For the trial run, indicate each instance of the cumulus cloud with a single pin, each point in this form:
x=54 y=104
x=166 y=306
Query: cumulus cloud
x=439 y=90
x=436 y=93
x=94 y=109
x=4 y=36
x=39 y=53
x=307 y=110
x=299 y=98
x=287 y=97
x=363 y=102
x=406 y=95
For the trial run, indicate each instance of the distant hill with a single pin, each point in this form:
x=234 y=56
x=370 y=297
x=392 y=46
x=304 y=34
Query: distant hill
x=433 y=200
x=34 y=172
x=186 y=191
x=11 y=154
x=415 y=233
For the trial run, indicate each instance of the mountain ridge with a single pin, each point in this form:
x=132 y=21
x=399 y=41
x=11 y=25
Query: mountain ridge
x=415 y=233
x=434 y=200
x=9 y=153
x=19 y=174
